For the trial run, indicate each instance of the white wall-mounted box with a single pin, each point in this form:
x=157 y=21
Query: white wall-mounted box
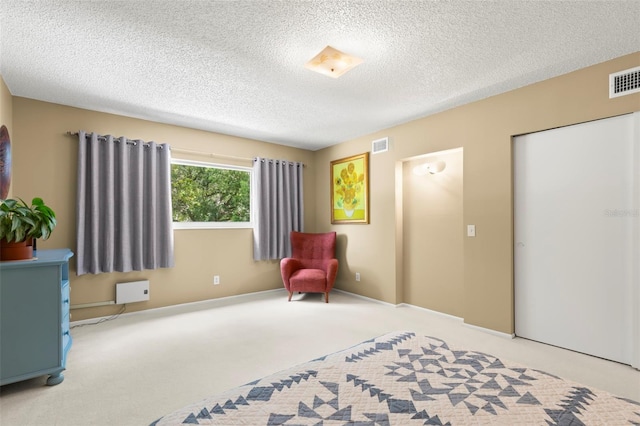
x=135 y=291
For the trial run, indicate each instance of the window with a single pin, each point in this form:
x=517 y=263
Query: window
x=206 y=195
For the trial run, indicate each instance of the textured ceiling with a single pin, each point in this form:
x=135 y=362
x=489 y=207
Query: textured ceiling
x=237 y=67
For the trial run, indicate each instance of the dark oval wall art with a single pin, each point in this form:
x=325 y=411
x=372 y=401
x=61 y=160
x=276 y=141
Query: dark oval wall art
x=5 y=162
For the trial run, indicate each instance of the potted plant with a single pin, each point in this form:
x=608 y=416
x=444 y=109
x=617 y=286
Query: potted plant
x=44 y=218
x=20 y=224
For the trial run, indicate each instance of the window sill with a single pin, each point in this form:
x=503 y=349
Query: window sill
x=212 y=225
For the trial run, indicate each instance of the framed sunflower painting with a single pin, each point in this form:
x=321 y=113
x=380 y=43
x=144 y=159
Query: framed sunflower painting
x=350 y=189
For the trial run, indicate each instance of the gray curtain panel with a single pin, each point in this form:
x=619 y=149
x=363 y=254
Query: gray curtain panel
x=124 y=218
x=280 y=209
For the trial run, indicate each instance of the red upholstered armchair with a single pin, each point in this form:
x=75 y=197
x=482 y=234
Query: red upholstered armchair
x=312 y=267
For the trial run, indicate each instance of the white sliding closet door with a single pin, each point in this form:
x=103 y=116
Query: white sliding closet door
x=576 y=237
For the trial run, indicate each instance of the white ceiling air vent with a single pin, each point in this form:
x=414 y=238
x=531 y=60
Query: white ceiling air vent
x=624 y=82
x=380 y=145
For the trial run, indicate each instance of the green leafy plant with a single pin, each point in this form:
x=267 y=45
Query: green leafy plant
x=20 y=221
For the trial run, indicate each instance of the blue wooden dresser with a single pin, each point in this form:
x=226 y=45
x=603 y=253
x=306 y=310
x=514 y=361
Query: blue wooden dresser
x=34 y=317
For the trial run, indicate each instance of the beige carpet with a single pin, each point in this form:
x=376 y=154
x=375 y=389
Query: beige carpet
x=138 y=367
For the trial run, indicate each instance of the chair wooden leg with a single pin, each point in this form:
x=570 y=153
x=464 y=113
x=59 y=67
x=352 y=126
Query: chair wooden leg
x=290 y=294
x=326 y=297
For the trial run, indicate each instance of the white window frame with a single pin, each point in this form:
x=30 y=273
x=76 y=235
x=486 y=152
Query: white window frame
x=219 y=225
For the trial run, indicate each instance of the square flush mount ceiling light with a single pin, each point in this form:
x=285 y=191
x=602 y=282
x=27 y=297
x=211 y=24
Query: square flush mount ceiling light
x=332 y=62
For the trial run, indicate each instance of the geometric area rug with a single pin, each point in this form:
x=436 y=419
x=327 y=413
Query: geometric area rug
x=405 y=379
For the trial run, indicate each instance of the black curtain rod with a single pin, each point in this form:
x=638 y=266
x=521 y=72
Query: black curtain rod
x=186 y=151
x=285 y=162
x=100 y=137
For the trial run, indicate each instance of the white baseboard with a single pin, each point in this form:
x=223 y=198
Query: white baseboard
x=400 y=305
x=364 y=297
x=240 y=297
x=484 y=330
x=441 y=314
x=211 y=302
x=490 y=331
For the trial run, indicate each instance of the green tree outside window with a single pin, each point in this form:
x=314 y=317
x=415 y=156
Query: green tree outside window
x=203 y=192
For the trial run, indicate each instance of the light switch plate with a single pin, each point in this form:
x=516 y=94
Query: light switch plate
x=471 y=230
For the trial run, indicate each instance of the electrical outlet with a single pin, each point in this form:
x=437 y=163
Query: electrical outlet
x=357 y=276
x=216 y=279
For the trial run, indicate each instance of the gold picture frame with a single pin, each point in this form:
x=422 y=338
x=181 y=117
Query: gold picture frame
x=350 y=189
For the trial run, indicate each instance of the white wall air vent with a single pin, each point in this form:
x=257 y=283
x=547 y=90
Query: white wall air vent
x=624 y=82
x=380 y=145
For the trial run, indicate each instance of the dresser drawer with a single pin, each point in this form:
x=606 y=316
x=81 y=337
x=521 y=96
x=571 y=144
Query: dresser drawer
x=66 y=334
x=65 y=298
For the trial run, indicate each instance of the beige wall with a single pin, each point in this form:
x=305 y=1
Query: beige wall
x=484 y=129
x=433 y=268
x=45 y=165
x=6 y=115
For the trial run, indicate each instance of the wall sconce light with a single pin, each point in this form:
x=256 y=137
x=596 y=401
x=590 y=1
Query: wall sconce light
x=432 y=168
x=332 y=62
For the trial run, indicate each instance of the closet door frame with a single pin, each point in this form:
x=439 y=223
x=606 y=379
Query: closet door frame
x=561 y=278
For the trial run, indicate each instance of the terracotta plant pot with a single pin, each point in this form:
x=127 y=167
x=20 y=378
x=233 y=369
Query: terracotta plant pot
x=15 y=250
